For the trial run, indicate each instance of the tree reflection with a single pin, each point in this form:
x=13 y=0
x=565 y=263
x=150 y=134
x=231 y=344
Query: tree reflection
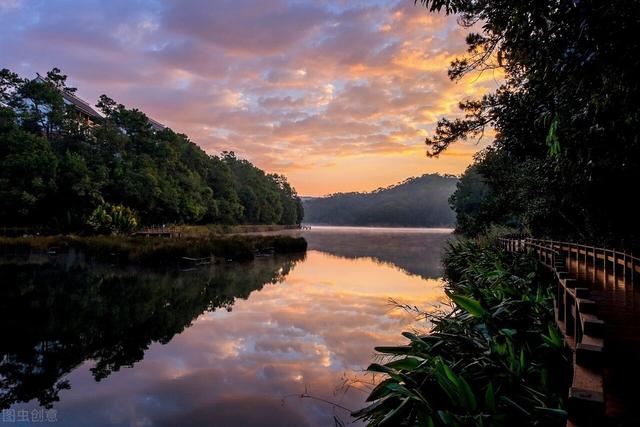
x=416 y=253
x=54 y=317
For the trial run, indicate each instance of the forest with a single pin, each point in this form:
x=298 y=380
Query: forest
x=566 y=152
x=60 y=173
x=416 y=202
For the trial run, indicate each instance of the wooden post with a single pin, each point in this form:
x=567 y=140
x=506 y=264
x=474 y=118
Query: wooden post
x=584 y=266
x=586 y=260
x=604 y=266
x=633 y=270
x=624 y=268
x=615 y=269
x=594 y=265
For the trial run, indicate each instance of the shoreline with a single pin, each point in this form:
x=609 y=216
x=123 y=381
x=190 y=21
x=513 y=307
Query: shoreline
x=155 y=251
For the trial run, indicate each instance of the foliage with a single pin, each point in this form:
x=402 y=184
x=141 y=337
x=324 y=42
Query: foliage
x=28 y=170
x=567 y=116
x=109 y=219
x=416 y=202
x=56 y=170
x=496 y=359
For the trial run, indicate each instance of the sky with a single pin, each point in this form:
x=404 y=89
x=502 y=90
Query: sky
x=338 y=95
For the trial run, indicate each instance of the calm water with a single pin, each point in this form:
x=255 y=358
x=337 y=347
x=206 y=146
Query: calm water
x=226 y=345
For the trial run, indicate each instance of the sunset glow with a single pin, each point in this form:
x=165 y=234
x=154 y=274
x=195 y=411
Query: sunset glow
x=337 y=95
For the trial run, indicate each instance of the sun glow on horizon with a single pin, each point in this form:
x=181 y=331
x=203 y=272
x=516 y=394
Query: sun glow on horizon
x=336 y=96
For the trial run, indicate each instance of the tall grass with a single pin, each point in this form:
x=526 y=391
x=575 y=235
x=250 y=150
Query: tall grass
x=496 y=359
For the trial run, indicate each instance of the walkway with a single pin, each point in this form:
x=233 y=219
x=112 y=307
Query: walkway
x=601 y=322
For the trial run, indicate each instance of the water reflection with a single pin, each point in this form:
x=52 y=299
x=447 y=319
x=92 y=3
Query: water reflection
x=166 y=355
x=415 y=250
x=53 y=317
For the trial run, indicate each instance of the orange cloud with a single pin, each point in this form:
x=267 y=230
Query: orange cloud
x=325 y=92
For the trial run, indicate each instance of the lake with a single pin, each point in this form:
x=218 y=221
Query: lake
x=281 y=341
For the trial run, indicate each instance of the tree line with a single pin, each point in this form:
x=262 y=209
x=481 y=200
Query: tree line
x=60 y=172
x=416 y=202
x=566 y=155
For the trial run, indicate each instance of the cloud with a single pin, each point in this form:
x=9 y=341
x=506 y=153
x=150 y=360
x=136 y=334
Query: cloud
x=249 y=366
x=292 y=85
x=10 y=4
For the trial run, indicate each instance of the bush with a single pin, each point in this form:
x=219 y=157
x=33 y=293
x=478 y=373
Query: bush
x=495 y=359
x=110 y=219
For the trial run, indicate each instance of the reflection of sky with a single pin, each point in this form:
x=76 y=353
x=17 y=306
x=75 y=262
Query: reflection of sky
x=234 y=368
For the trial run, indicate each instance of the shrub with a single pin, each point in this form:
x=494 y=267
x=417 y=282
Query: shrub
x=496 y=358
x=112 y=219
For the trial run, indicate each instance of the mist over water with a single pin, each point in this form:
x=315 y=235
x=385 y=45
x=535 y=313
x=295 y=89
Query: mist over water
x=226 y=345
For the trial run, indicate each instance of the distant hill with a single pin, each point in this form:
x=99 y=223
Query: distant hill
x=416 y=202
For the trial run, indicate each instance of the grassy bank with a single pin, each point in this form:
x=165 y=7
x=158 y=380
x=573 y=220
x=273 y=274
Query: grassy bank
x=221 y=229
x=156 y=250
x=495 y=358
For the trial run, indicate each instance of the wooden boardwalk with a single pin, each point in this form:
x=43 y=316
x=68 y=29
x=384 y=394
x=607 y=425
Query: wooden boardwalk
x=598 y=310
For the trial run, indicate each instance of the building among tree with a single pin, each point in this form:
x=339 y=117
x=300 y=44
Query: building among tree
x=87 y=114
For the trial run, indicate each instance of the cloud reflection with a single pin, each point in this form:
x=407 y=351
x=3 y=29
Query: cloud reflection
x=234 y=368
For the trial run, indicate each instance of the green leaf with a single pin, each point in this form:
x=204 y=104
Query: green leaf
x=554 y=339
x=553 y=411
x=553 y=142
x=376 y=367
x=446 y=418
x=380 y=391
x=455 y=387
x=398 y=350
x=471 y=403
x=508 y=332
x=470 y=305
x=413 y=337
x=391 y=414
x=514 y=405
x=490 y=399
x=407 y=364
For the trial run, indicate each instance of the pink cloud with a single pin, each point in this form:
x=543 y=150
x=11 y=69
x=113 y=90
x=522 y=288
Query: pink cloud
x=285 y=83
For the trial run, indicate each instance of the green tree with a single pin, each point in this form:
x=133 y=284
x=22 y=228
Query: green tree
x=567 y=116
x=28 y=171
x=58 y=170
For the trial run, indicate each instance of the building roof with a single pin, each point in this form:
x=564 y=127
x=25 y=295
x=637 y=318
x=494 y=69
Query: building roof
x=80 y=104
x=69 y=98
x=156 y=125
x=84 y=107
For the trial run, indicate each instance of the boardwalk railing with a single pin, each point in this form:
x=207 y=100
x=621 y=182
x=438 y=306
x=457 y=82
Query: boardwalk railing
x=618 y=266
x=575 y=313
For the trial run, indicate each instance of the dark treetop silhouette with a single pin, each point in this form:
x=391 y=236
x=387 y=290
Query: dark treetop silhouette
x=62 y=168
x=567 y=117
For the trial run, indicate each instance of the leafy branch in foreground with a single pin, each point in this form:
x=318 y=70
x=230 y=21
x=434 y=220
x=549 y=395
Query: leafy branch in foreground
x=496 y=359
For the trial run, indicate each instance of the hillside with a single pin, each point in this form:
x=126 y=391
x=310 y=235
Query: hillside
x=417 y=202
x=66 y=167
